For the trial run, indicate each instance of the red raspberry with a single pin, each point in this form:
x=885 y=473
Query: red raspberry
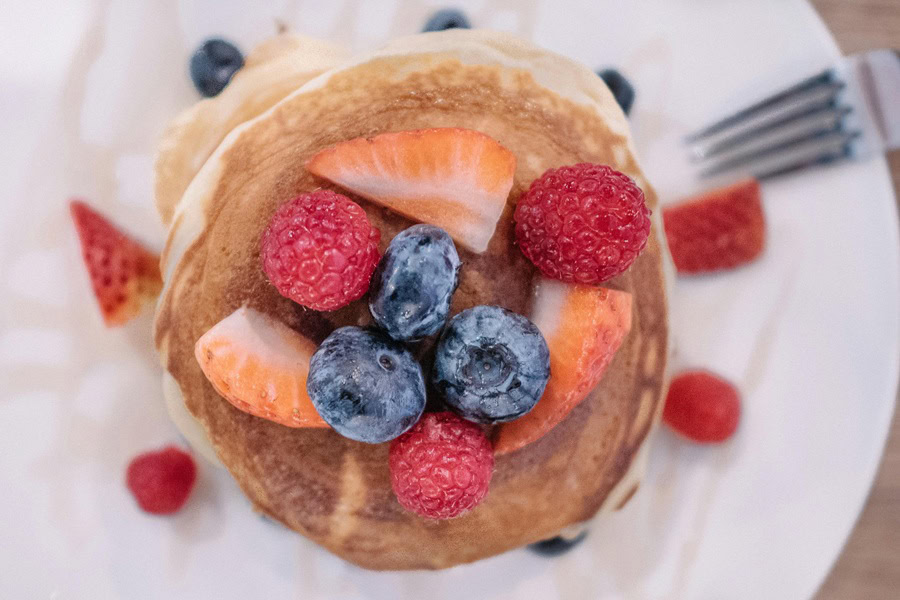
x=702 y=407
x=161 y=481
x=441 y=467
x=584 y=223
x=319 y=250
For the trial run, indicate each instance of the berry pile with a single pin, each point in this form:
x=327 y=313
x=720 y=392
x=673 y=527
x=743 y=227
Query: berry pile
x=581 y=224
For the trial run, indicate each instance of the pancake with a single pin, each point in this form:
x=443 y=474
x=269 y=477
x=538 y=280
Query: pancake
x=271 y=71
x=548 y=111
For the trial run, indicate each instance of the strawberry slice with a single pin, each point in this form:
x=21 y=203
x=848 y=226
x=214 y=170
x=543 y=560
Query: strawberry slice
x=720 y=229
x=260 y=366
x=457 y=179
x=584 y=327
x=125 y=275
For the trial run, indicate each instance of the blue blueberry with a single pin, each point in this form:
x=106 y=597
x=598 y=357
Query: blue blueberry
x=213 y=65
x=557 y=545
x=620 y=87
x=491 y=365
x=447 y=18
x=270 y=521
x=365 y=385
x=410 y=292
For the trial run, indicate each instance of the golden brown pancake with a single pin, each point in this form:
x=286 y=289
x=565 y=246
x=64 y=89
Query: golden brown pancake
x=336 y=491
x=272 y=71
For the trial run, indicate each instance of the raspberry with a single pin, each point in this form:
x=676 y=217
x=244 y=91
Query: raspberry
x=319 y=250
x=584 y=223
x=702 y=407
x=161 y=481
x=441 y=467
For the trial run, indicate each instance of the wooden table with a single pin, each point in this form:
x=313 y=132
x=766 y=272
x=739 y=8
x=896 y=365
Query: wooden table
x=869 y=568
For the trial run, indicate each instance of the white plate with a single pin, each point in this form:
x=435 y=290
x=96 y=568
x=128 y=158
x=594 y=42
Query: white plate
x=810 y=332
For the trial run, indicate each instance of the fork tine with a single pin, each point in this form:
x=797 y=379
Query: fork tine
x=788 y=107
x=777 y=134
x=820 y=149
x=823 y=78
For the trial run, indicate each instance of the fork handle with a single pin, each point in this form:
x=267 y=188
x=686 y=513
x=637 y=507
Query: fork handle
x=878 y=74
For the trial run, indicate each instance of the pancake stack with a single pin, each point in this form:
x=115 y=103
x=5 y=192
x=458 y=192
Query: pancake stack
x=548 y=111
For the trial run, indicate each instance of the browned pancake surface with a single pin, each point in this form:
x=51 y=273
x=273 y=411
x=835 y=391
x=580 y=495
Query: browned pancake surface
x=337 y=491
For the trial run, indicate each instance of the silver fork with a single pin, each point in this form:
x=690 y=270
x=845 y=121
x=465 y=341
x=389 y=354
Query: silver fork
x=851 y=110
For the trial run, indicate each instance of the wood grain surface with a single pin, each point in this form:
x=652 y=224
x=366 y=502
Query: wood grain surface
x=869 y=567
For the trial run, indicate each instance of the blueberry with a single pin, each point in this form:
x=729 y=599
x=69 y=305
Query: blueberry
x=410 y=292
x=213 y=65
x=447 y=18
x=269 y=520
x=365 y=385
x=491 y=365
x=557 y=545
x=621 y=88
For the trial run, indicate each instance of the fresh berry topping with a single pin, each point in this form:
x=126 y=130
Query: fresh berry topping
x=125 y=275
x=584 y=327
x=702 y=407
x=442 y=467
x=161 y=481
x=491 y=365
x=319 y=250
x=582 y=224
x=365 y=385
x=260 y=365
x=447 y=18
x=721 y=229
x=213 y=65
x=457 y=179
x=414 y=282
x=621 y=88
x=558 y=545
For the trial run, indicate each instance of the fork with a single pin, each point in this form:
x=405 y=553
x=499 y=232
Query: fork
x=849 y=111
